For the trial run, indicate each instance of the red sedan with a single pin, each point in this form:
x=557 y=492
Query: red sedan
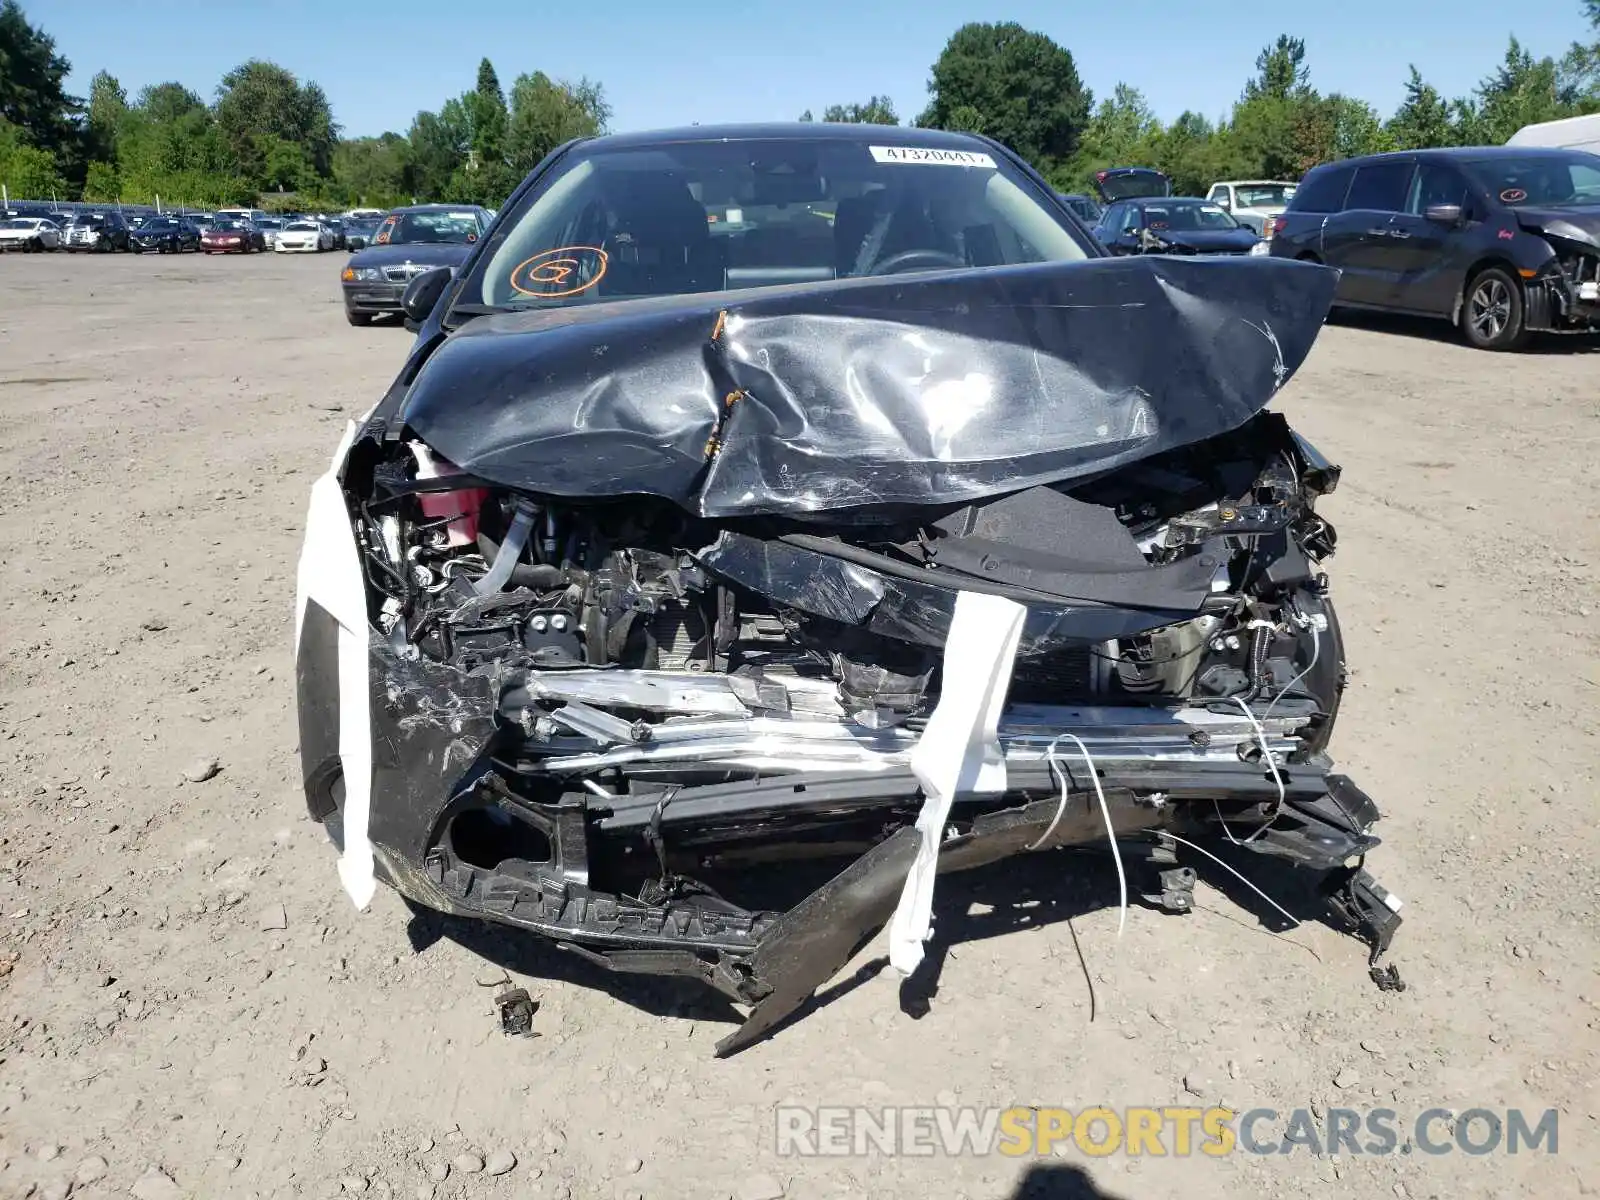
x=232 y=237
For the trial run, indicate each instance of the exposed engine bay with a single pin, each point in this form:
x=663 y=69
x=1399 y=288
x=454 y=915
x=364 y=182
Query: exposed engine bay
x=606 y=718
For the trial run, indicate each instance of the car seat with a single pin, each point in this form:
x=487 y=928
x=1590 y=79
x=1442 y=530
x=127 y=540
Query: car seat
x=658 y=240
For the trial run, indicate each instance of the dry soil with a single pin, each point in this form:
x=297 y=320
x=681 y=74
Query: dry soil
x=190 y=1006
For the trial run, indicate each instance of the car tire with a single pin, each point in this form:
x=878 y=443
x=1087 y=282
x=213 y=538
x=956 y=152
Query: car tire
x=356 y=318
x=1492 y=311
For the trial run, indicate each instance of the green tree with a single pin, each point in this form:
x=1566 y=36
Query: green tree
x=260 y=101
x=1012 y=84
x=1281 y=71
x=33 y=99
x=108 y=105
x=169 y=102
x=1523 y=90
x=1120 y=132
x=373 y=171
x=487 y=176
x=27 y=171
x=546 y=112
x=878 y=110
x=439 y=147
x=101 y=183
x=1423 y=118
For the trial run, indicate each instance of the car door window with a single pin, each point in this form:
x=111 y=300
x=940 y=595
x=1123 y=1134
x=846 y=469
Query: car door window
x=1218 y=194
x=1435 y=183
x=1322 y=192
x=1379 y=187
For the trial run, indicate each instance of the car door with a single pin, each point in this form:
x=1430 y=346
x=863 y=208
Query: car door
x=1356 y=239
x=1105 y=229
x=1427 y=254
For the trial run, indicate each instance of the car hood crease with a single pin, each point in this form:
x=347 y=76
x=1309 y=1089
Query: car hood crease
x=868 y=394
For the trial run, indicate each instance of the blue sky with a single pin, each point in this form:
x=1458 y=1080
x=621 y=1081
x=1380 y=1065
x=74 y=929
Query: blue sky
x=722 y=60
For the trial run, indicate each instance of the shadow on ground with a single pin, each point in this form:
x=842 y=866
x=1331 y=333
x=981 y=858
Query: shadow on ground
x=1052 y=1181
x=1436 y=330
x=1026 y=892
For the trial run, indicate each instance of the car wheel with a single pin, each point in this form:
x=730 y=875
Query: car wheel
x=1491 y=313
x=356 y=318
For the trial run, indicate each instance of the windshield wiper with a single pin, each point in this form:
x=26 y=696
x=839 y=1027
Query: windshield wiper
x=472 y=310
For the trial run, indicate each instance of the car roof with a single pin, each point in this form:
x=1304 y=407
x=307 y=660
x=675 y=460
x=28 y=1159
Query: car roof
x=1453 y=153
x=418 y=208
x=814 y=130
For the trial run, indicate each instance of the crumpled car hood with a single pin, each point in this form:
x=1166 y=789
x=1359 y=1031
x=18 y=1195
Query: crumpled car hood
x=1574 y=224
x=932 y=389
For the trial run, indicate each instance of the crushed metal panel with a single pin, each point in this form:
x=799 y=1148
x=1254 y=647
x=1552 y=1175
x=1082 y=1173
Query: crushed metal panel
x=931 y=389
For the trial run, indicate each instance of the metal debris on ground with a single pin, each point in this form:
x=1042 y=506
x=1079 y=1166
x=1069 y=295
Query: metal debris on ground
x=516 y=1012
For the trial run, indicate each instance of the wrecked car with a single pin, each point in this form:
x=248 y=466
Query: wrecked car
x=1502 y=241
x=702 y=589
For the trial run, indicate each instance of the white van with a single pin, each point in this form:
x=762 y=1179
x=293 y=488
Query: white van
x=1569 y=133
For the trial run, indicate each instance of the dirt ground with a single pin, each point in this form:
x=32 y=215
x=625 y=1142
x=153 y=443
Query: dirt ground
x=190 y=1006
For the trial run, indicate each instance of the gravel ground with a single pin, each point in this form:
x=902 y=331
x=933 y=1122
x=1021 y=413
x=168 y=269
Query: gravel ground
x=190 y=1006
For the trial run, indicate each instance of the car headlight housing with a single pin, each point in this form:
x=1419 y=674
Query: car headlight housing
x=363 y=274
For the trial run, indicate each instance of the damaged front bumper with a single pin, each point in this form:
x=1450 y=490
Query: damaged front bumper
x=724 y=775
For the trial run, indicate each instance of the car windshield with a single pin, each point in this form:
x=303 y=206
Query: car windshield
x=1263 y=195
x=1197 y=215
x=301 y=226
x=89 y=221
x=158 y=225
x=688 y=217
x=17 y=223
x=405 y=229
x=1545 y=180
x=229 y=226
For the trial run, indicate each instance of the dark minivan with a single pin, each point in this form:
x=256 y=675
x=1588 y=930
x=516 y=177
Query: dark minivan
x=1500 y=240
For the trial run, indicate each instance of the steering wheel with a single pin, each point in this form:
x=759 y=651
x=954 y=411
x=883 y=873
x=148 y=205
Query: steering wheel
x=917 y=260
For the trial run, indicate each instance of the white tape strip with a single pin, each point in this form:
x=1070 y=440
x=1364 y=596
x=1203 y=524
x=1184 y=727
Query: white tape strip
x=958 y=752
x=330 y=574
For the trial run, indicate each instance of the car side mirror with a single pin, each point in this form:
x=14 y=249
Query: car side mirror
x=1443 y=214
x=423 y=292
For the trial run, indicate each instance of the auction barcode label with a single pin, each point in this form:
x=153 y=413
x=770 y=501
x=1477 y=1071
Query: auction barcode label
x=925 y=154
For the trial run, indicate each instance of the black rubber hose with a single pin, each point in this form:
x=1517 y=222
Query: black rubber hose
x=1260 y=679
x=541 y=577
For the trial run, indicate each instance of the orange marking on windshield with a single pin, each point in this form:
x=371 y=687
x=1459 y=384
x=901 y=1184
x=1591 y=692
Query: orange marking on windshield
x=548 y=274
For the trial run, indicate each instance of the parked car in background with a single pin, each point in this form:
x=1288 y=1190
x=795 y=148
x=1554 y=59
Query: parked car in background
x=1252 y=202
x=30 y=234
x=308 y=236
x=335 y=226
x=364 y=214
x=1500 y=240
x=1174 y=225
x=242 y=214
x=99 y=231
x=1126 y=183
x=229 y=235
x=358 y=232
x=270 y=227
x=1082 y=206
x=165 y=235
x=410 y=241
